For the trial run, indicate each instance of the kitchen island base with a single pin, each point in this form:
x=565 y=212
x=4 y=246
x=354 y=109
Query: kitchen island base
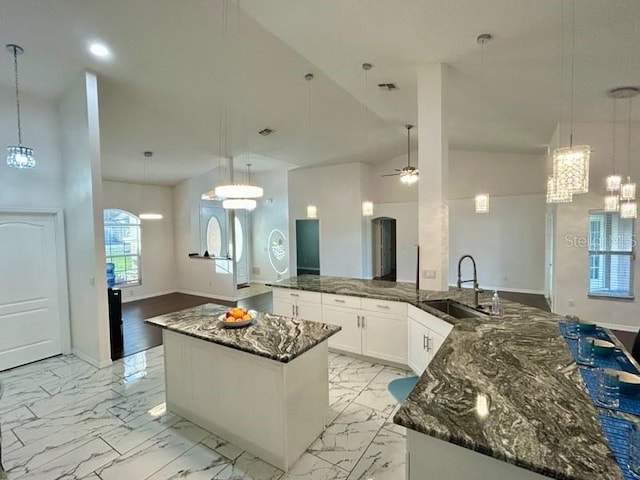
x=429 y=457
x=274 y=410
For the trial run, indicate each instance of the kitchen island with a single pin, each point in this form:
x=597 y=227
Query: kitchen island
x=263 y=387
x=501 y=398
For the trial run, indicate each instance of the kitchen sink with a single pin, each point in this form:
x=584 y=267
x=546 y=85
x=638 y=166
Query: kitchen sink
x=453 y=308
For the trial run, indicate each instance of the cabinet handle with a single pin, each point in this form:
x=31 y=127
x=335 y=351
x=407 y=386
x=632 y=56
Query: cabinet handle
x=362 y=321
x=293 y=310
x=428 y=344
x=358 y=321
x=425 y=342
x=386 y=307
x=295 y=295
x=297 y=310
x=337 y=300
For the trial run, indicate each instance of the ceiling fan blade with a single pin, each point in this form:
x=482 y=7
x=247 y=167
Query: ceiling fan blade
x=391 y=175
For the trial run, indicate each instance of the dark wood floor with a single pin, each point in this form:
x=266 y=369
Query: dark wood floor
x=139 y=336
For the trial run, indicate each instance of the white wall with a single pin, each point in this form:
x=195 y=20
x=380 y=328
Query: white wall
x=336 y=192
x=495 y=173
x=158 y=247
x=571 y=259
x=80 y=142
x=42 y=187
x=198 y=277
x=507 y=243
x=271 y=213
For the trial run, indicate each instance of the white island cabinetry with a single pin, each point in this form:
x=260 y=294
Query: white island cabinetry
x=426 y=335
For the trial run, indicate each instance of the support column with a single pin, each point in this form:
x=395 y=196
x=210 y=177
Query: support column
x=433 y=161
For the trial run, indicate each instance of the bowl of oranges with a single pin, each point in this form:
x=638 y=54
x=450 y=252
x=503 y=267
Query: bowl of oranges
x=237 y=317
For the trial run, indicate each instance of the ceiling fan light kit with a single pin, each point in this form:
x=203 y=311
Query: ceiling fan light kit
x=409 y=174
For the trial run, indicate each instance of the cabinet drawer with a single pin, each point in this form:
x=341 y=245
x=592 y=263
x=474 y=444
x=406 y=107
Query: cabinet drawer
x=384 y=306
x=340 y=300
x=297 y=295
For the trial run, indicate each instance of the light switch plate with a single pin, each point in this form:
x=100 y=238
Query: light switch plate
x=429 y=274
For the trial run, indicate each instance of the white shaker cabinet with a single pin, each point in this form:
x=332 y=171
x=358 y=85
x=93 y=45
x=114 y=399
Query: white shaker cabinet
x=297 y=304
x=426 y=335
x=349 y=338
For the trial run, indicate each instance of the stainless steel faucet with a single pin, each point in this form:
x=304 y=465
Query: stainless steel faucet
x=476 y=288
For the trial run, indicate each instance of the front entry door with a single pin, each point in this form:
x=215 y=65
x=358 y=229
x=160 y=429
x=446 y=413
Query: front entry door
x=30 y=327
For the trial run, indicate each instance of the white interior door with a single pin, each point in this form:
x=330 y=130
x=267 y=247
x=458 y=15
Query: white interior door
x=30 y=327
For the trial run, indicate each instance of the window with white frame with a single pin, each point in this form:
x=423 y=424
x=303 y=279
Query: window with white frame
x=611 y=255
x=122 y=245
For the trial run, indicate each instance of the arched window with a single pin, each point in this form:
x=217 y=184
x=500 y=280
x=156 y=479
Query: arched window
x=122 y=245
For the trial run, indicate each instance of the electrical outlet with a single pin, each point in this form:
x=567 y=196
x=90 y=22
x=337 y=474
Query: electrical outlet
x=210 y=284
x=571 y=303
x=429 y=274
x=255 y=270
x=131 y=292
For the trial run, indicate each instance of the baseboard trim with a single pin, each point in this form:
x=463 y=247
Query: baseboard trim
x=208 y=295
x=83 y=356
x=133 y=298
x=617 y=326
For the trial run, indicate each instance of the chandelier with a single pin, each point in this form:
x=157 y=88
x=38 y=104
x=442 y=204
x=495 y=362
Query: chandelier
x=19 y=156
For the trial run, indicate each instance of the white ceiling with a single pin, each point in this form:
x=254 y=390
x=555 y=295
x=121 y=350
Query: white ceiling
x=174 y=73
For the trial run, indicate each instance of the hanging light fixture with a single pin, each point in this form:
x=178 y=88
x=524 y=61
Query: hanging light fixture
x=239 y=190
x=482 y=203
x=628 y=208
x=571 y=164
x=312 y=211
x=19 y=156
x=613 y=182
x=409 y=174
x=482 y=199
x=367 y=209
x=145 y=214
x=239 y=204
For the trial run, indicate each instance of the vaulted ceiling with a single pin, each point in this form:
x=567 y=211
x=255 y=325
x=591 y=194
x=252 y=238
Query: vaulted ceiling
x=181 y=71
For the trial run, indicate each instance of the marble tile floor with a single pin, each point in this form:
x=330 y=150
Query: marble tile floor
x=64 y=419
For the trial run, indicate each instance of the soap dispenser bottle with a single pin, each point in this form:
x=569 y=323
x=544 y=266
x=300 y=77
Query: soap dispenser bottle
x=495 y=303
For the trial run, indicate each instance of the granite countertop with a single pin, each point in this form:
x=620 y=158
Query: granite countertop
x=539 y=415
x=276 y=337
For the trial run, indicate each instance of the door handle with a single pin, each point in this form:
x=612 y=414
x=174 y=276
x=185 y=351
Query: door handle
x=425 y=342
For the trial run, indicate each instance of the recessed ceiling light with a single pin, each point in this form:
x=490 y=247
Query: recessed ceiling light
x=100 y=50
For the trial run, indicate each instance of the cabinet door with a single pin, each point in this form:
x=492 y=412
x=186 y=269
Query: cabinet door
x=385 y=337
x=348 y=339
x=283 y=307
x=418 y=355
x=435 y=342
x=309 y=311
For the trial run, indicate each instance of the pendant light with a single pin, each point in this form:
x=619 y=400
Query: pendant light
x=312 y=210
x=367 y=206
x=245 y=202
x=571 y=164
x=145 y=214
x=19 y=156
x=482 y=199
x=613 y=182
x=629 y=208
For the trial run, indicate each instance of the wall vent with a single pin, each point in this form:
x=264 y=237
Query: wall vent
x=388 y=86
x=266 y=131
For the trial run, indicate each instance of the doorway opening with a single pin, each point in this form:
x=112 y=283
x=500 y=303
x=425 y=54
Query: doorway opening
x=384 y=248
x=308 y=247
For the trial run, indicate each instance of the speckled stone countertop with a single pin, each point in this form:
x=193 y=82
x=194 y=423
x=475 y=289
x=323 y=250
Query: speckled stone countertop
x=272 y=336
x=539 y=417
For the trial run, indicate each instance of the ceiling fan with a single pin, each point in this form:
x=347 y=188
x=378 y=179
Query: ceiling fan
x=408 y=174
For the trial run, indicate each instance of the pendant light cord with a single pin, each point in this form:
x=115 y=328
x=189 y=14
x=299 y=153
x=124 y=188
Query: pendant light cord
x=15 y=69
x=629 y=143
x=613 y=135
x=573 y=62
x=408 y=146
